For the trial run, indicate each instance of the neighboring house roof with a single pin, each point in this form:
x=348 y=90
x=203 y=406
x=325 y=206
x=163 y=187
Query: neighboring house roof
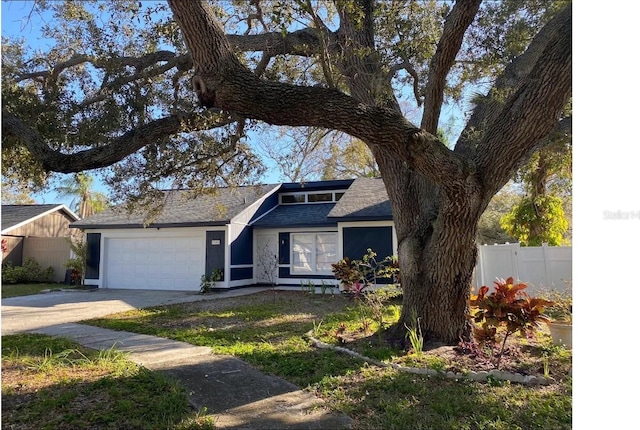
x=297 y=215
x=183 y=210
x=365 y=200
x=16 y=216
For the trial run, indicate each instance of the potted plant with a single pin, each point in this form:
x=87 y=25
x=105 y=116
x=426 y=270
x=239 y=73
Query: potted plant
x=560 y=316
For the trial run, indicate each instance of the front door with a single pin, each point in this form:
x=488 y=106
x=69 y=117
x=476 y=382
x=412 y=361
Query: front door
x=215 y=253
x=266 y=262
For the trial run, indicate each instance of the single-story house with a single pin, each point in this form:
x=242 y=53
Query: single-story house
x=40 y=232
x=281 y=234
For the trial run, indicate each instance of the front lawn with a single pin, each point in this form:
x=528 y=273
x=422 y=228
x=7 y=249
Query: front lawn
x=268 y=331
x=15 y=290
x=53 y=383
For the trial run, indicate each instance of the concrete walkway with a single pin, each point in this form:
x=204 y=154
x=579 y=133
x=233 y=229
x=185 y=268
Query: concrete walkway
x=238 y=395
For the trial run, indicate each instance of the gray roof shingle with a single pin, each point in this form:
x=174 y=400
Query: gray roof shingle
x=12 y=215
x=298 y=215
x=181 y=209
x=366 y=199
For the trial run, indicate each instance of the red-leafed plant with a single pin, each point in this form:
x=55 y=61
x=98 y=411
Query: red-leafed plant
x=507 y=308
x=347 y=272
x=356 y=275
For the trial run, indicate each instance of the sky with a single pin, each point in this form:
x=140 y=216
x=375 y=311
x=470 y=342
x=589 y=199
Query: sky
x=606 y=223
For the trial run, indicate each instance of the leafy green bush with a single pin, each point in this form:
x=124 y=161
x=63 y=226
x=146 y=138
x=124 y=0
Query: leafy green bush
x=30 y=272
x=537 y=221
x=208 y=283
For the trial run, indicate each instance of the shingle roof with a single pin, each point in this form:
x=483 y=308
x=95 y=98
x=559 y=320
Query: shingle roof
x=14 y=215
x=299 y=215
x=366 y=199
x=182 y=209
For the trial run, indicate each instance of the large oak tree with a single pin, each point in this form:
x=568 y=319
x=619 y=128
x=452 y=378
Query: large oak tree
x=334 y=65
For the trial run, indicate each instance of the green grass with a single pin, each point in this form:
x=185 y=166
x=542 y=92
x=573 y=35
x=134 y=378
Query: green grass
x=52 y=383
x=16 y=290
x=269 y=335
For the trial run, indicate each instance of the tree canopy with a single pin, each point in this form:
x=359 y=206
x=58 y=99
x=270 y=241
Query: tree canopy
x=116 y=80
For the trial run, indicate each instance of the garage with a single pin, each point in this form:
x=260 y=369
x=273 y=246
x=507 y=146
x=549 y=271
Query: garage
x=158 y=263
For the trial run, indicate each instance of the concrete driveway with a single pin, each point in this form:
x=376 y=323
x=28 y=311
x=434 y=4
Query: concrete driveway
x=26 y=313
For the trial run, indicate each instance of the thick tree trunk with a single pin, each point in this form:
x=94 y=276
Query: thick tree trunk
x=436 y=251
x=437 y=276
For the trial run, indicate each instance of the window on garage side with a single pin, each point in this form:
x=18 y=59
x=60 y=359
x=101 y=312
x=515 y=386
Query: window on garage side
x=313 y=253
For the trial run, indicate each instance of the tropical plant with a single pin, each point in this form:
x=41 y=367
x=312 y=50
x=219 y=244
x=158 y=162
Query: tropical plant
x=561 y=307
x=78 y=262
x=507 y=310
x=86 y=202
x=356 y=275
x=414 y=333
x=208 y=282
x=346 y=271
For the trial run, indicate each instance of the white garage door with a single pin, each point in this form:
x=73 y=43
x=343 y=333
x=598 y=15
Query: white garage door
x=161 y=263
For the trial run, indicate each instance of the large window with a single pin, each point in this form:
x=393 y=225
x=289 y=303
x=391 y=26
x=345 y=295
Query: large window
x=313 y=252
x=311 y=197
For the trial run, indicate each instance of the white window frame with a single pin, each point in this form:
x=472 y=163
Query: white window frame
x=306 y=197
x=313 y=264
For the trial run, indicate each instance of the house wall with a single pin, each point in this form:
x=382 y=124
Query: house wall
x=55 y=224
x=356 y=237
x=367 y=234
x=14 y=250
x=241 y=241
x=43 y=239
x=49 y=251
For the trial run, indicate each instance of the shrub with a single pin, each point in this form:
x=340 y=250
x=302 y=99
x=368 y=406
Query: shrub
x=561 y=308
x=346 y=271
x=508 y=308
x=29 y=272
x=207 y=283
x=77 y=263
x=356 y=275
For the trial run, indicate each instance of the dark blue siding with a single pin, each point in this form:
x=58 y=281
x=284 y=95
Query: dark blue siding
x=356 y=240
x=92 y=269
x=283 y=248
x=242 y=247
x=238 y=273
x=285 y=272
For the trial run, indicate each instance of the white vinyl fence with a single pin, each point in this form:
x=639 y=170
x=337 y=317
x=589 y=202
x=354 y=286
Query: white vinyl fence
x=540 y=267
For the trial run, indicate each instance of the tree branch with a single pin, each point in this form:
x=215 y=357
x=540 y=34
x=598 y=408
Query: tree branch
x=513 y=75
x=523 y=122
x=102 y=156
x=406 y=65
x=455 y=26
x=222 y=81
x=304 y=42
